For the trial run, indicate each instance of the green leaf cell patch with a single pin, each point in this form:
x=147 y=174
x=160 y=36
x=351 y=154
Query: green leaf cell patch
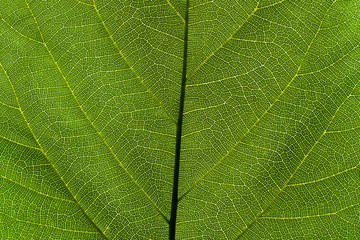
x=179 y=119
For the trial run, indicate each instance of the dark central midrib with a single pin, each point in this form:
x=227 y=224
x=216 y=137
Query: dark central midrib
x=174 y=202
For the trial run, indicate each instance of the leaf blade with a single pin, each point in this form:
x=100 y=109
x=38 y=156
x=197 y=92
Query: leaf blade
x=269 y=147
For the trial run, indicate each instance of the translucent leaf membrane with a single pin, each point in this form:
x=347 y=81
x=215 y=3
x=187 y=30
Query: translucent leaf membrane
x=89 y=101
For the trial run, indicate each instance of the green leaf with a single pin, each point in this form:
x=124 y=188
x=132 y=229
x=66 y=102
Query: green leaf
x=256 y=103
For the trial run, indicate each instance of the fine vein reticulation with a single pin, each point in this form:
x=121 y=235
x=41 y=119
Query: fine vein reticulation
x=179 y=119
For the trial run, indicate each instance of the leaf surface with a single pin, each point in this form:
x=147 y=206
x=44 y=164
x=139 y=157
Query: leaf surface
x=90 y=99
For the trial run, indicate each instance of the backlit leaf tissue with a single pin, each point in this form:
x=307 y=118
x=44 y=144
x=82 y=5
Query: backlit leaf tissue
x=179 y=119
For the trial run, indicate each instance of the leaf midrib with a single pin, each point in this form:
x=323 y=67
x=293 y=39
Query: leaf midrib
x=254 y=125
x=175 y=190
x=265 y=113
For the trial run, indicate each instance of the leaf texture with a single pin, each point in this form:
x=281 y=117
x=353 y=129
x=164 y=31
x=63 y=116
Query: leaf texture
x=90 y=99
